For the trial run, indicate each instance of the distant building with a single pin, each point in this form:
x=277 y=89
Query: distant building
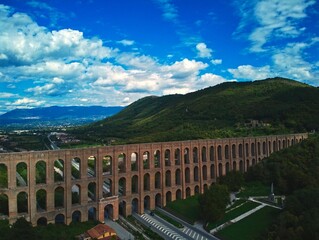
x=101 y=231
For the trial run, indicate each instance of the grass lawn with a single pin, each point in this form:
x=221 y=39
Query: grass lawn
x=254 y=189
x=187 y=209
x=250 y=227
x=233 y=214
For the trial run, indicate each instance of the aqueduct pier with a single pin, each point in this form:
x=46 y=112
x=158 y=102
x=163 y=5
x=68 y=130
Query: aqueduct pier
x=61 y=186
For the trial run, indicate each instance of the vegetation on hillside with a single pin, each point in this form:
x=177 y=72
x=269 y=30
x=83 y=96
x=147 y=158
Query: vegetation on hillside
x=294 y=172
x=230 y=109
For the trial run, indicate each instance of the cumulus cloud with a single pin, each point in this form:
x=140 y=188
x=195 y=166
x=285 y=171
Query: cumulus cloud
x=250 y=72
x=27 y=103
x=62 y=67
x=203 y=51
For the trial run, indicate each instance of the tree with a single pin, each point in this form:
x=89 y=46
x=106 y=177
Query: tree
x=233 y=180
x=22 y=229
x=213 y=202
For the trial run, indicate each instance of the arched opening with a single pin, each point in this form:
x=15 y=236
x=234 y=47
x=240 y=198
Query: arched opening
x=108 y=212
x=147 y=202
x=220 y=169
x=134 y=162
x=247 y=164
x=107 y=165
x=253 y=161
x=59 y=197
x=58 y=170
x=41 y=199
x=195 y=155
x=76 y=194
x=279 y=145
x=157 y=159
x=76 y=216
x=240 y=150
x=146 y=160
x=264 y=148
x=92 y=214
x=147 y=182
x=76 y=168
x=107 y=188
x=122 y=187
x=258 y=148
x=204 y=169
x=91 y=169
x=204 y=157
x=167 y=155
x=168 y=197
x=121 y=159
x=226 y=152
x=234 y=166
x=42 y=221
x=168 y=178
x=3 y=176
x=252 y=149
x=158 y=180
x=134 y=184
x=22 y=174
x=219 y=153
x=122 y=208
x=284 y=143
x=247 y=149
x=186 y=156
x=92 y=192
x=233 y=151
x=59 y=219
x=40 y=172
x=274 y=146
x=178 y=177
x=241 y=166
x=22 y=202
x=211 y=154
x=212 y=171
x=178 y=194
x=4 y=205
x=177 y=157
x=187 y=175
x=158 y=200
x=196 y=178
x=227 y=167
x=205 y=187
x=135 y=205
x=269 y=147
x=188 y=192
x=196 y=189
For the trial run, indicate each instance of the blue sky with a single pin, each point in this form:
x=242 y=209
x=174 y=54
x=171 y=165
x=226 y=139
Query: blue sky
x=113 y=52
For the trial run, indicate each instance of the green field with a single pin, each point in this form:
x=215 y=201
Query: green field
x=250 y=227
x=187 y=209
x=254 y=189
x=235 y=212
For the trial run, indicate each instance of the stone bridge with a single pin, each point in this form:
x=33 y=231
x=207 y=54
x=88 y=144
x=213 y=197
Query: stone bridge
x=61 y=186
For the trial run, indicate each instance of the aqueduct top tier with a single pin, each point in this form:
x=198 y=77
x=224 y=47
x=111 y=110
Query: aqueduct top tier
x=98 y=182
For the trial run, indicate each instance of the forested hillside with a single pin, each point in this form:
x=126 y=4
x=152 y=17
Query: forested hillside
x=269 y=106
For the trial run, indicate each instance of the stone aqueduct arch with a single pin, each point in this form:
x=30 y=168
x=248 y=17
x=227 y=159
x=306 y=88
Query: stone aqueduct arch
x=108 y=181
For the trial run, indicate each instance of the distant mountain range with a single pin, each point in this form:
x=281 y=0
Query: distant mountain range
x=271 y=106
x=56 y=116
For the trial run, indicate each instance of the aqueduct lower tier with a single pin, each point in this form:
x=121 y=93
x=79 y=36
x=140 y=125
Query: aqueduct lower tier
x=61 y=186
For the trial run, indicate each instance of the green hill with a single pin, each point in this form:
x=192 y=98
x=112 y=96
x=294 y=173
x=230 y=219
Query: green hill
x=274 y=106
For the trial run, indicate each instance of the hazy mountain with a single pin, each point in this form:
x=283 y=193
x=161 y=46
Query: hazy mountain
x=54 y=116
x=229 y=109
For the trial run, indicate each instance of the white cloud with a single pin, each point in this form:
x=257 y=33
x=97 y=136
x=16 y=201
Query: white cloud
x=27 y=103
x=126 y=42
x=57 y=87
x=216 y=61
x=277 y=19
x=169 y=10
x=209 y=79
x=203 y=51
x=251 y=73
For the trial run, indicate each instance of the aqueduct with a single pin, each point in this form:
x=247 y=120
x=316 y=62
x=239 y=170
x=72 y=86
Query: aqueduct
x=61 y=186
